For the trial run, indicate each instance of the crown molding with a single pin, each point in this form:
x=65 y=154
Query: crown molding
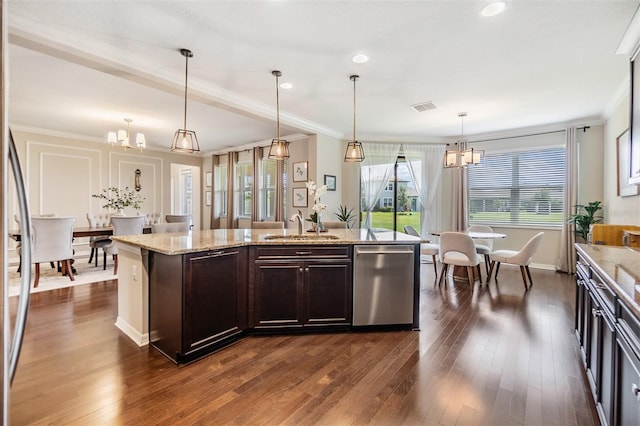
x=621 y=93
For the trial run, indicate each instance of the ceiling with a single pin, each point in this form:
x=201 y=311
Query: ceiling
x=81 y=67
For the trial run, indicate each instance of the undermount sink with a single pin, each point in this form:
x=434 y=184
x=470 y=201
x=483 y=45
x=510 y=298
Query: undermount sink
x=301 y=237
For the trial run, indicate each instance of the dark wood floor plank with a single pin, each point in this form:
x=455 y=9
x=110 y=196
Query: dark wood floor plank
x=494 y=355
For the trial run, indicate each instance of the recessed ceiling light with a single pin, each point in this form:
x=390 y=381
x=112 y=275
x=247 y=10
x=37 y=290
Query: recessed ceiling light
x=493 y=9
x=286 y=85
x=360 y=59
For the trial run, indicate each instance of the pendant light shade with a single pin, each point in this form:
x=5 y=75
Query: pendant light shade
x=462 y=155
x=354 y=152
x=279 y=149
x=185 y=140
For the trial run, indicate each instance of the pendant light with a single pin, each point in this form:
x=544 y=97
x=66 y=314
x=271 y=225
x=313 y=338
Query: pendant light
x=279 y=149
x=462 y=155
x=185 y=140
x=354 y=152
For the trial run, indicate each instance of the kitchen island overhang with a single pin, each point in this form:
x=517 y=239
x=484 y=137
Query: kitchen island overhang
x=191 y=293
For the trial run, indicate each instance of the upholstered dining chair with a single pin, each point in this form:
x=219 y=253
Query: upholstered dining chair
x=483 y=247
x=521 y=258
x=52 y=239
x=123 y=225
x=19 y=245
x=267 y=224
x=426 y=249
x=97 y=243
x=175 y=218
x=163 y=228
x=334 y=224
x=458 y=249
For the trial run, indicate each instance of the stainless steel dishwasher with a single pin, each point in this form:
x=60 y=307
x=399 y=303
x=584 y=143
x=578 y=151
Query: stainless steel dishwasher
x=383 y=284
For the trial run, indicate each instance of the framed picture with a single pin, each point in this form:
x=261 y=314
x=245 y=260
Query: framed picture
x=300 y=171
x=208 y=198
x=623 y=148
x=299 y=197
x=208 y=179
x=330 y=181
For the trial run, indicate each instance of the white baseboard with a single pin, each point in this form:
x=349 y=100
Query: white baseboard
x=139 y=338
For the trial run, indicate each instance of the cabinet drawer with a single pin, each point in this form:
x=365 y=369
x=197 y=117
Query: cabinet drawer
x=605 y=294
x=302 y=252
x=630 y=325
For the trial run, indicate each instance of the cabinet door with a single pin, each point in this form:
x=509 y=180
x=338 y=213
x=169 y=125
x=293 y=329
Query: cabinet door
x=627 y=383
x=592 y=343
x=278 y=294
x=327 y=293
x=214 y=297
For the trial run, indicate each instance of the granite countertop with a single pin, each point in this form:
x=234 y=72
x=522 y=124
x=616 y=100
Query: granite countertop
x=620 y=267
x=215 y=239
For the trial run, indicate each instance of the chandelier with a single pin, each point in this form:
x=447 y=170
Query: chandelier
x=279 y=149
x=354 y=152
x=185 y=140
x=122 y=137
x=462 y=155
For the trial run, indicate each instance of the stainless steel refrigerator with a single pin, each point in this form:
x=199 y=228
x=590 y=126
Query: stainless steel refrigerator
x=12 y=331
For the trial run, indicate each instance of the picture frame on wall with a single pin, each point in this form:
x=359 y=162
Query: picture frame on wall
x=208 y=198
x=330 y=182
x=623 y=148
x=299 y=196
x=300 y=171
x=208 y=180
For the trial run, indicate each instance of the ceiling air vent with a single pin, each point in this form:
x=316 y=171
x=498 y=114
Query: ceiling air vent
x=423 y=106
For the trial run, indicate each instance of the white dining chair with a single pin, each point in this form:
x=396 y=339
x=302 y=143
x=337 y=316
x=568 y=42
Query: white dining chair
x=96 y=243
x=522 y=258
x=458 y=249
x=484 y=247
x=52 y=239
x=123 y=225
x=19 y=244
x=426 y=249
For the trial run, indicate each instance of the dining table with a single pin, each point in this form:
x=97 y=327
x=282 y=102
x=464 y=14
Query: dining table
x=82 y=231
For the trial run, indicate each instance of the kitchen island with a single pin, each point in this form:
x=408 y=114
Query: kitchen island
x=191 y=293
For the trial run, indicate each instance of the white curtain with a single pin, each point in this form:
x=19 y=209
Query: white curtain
x=425 y=166
x=375 y=171
x=459 y=209
x=566 y=261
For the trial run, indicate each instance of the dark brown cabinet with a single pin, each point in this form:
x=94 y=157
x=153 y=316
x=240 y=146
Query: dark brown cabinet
x=627 y=372
x=297 y=287
x=198 y=301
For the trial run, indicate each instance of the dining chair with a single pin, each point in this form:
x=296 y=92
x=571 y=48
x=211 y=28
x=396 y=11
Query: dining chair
x=483 y=246
x=334 y=224
x=163 y=228
x=174 y=218
x=96 y=243
x=427 y=249
x=267 y=224
x=19 y=244
x=458 y=249
x=521 y=258
x=123 y=225
x=151 y=218
x=52 y=239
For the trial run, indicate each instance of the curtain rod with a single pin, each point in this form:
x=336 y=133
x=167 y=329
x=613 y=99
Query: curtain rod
x=583 y=128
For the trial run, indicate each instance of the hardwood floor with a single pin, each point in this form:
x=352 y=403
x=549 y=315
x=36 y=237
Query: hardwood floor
x=494 y=357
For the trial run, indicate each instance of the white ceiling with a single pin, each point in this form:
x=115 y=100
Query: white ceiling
x=80 y=67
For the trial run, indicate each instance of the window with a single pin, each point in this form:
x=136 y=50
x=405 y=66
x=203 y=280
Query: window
x=220 y=190
x=267 y=189
x=389 y=187
x=387 y=202
x=243 y=188
x=518 y=188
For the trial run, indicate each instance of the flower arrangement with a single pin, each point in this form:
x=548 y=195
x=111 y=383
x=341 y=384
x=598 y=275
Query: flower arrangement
x=118 y=199
x=318 y=207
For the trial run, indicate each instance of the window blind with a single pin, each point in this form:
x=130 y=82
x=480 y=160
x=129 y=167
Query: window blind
x=524 y=187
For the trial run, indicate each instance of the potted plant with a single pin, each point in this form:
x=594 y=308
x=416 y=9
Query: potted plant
x=118 y=199
x=585 y=216
x=345 y=214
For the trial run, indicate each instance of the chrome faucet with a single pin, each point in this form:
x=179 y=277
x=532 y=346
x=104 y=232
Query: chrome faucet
x=298 y=217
